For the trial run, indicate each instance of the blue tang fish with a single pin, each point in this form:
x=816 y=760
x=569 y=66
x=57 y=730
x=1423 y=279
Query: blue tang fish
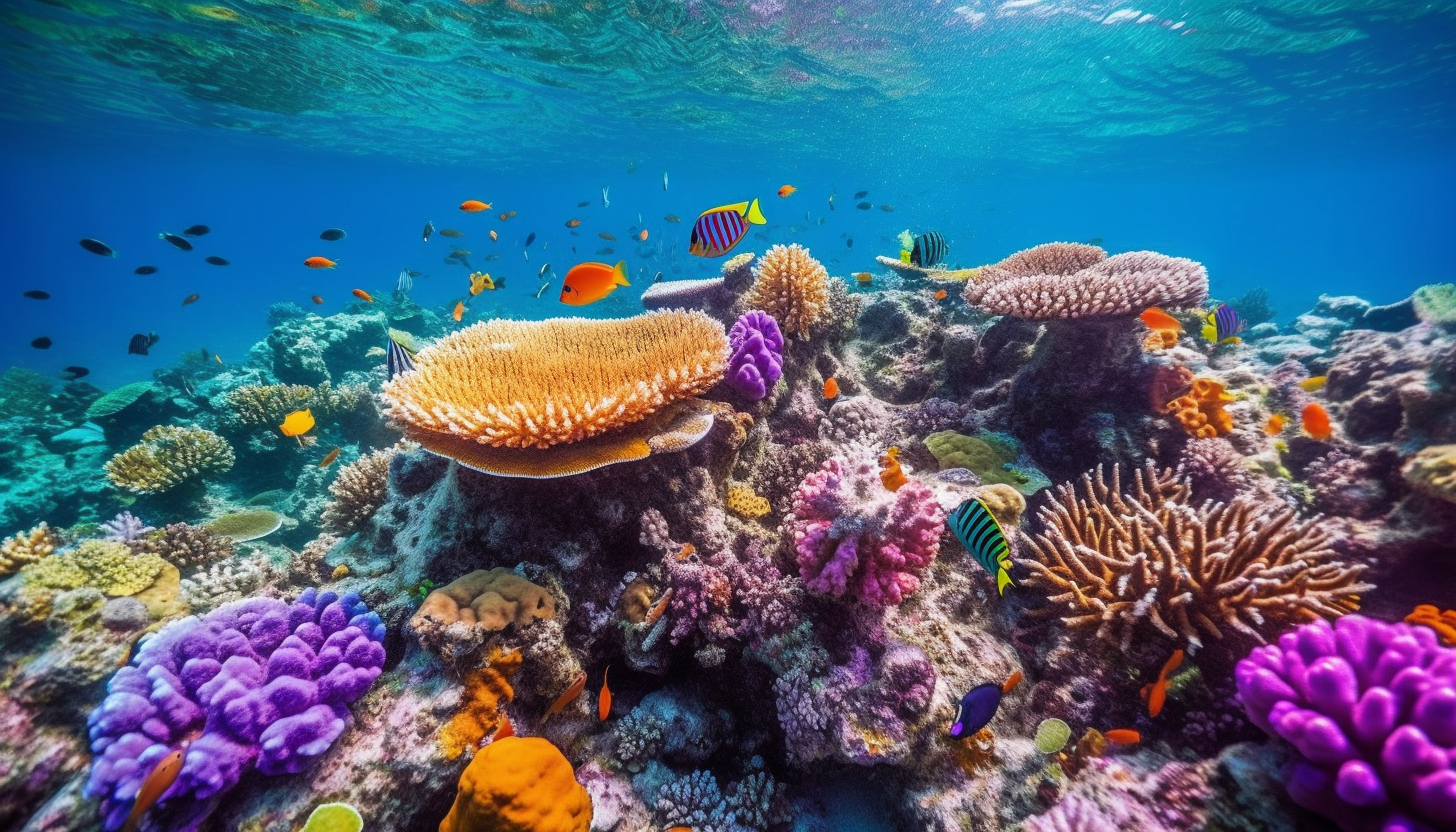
x=975 y=710
x=1224 y=325
x=718 y=230
x=979 y=532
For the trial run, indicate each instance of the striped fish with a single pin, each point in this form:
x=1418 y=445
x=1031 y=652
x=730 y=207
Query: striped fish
x=400 y=353
x=1224 y=325
x=930 y=248
x=979 y=532
x=717 y=231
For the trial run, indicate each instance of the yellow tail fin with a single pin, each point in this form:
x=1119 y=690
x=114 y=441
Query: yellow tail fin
x=904 y=257
x=1003 y=580
x=754 y=215
x=619 y=274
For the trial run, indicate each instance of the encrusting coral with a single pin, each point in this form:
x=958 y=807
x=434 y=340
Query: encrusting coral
x=456 y=617
x=242 y=526
x=1433 y=470
x=168 y=456
x=1442 y=621
x=1073 y=280
x=1116 y=565
x=791 y=286
x=24 y=548
x=519 y=784
x=106 y=565
x=358 y=491
x=745 y=503
x=1201 y=412
x=187 y=546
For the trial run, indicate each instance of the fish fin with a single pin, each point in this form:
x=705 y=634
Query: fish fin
x=754 y=215
x=1210 y=333
x=904 y=257
x=1003 y=580
x=619 y=274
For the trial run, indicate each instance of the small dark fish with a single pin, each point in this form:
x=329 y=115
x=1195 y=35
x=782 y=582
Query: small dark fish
x=192 y=298
x=849 y=242
x=332 y=234
x=606 y=235
x=216 y=261
x=196 y=230
x=861 y=194
x=141 y=343
x=888 y=209
x=97 y=247
x=530 y=238
x=41 y=343
x=976 y=709
x=145 y=270
x=413 y=273
x=450 y=232
x=460 y=253
x=657 y=278
x=73 y=373
x=671 y=218
x=583 y=204
x=179 y=242
x=864 y=206
x=545 y=267
x=429 y=229
x=36 y=294
x=490 y=257
x=606 y=251
x=205 y=354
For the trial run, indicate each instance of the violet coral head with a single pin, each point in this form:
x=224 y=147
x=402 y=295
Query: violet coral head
x=757 y=361
x=853 y=536
x=258 y=683
x=1371 y=708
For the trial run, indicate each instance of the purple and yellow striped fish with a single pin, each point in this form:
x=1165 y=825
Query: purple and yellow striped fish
x=718 y=230
x=1223 y=325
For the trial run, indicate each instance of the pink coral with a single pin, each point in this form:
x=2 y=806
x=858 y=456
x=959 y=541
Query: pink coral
x=854 y=536
x=1072 y=280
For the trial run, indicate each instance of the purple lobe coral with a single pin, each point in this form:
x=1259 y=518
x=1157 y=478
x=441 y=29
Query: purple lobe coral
x=1371 y=708
x=758 y=354
x=255 y=683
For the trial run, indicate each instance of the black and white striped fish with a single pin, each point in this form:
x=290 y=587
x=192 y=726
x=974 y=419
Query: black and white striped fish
x=400 y=353
x=930 y=248
x=979 y=532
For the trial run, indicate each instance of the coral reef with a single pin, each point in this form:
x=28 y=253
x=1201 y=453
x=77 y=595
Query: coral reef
x=757 y=361
x=457 y=617
x=106 y=565
x=791 y=286
x=1433 y=470
x=186 y=546
x=25 y=548
x=125 y=528
x=168 y=457
x=358 y=492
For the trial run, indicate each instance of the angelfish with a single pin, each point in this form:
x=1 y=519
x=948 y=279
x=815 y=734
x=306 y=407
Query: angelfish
x=156 y=784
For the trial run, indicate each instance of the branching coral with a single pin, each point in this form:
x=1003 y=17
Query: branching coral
x=1201 y=412
x=267 y=404
x=791 y=286
x=167 y=457
x=25 y=548
x=1119 y=564
x=222 y=582
x=1072 y=280
x=106 y=565
x=125 y=528
x=358 y=492
x=189 y=547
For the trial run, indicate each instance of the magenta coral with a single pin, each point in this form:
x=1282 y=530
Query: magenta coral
x=1371 y=708
x=757 y=361
x=853 y=536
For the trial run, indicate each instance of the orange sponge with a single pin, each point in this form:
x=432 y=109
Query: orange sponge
x=519 y=784
x=1201 y=412
x=486 y=691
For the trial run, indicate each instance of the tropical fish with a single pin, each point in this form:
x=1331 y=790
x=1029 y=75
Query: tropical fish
x=658 y=608
x=479 y=282
x=545 y=267
x=319 y=263
x=37 y=294
x=861 y=194
x=98 y=247
x=673 y=218
x=472 y=206
x=584 y=203
x=361 y=295
x=505 y=215
x=217 y=358
x=831 y=202
x=73 y=373
x=297 y=423
x=316 y=299
x=941 y=294
x=975 y=710
x=604 y=699
x=494 y=237
x=1316 y=421
x=1160 y=321
x=978 y=530
x=505 y=729
x=664 y=180
x=863 y=277
x=179 y=242
x=831 y=388
x=573 y=223
x=657 y=278
x=606 y=198
x=606 y=250
x=607 y=235
x=196 y=230
x=848 y=241
x=1275 y=425
x=643 y=236
x=145 y=270
x=590 y=282
x=42 y=343
x=192 y=298
x=332 y=234
x=718 y=230
x=1314 y=384
x=400 y=353
x=1123 y=736
x=928 y=249
x=1223 y=325
x=567 y=696
x=888 y=209
x=156 y=784
x=864 y=206
x=1095 y=241
x=891 y=476
x=329 y=458
x=1011 y=682
x=450 y=232
x=216 y=261
x=460 y=254
x=786 y=190
x=1157 y=692
x=405 y=282
x=429 y=229
x=140 y=343
x=459 y=311
x=530 y=238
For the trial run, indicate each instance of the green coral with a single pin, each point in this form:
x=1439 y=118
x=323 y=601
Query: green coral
x=168 y=456
x=1436 y=304
x=103 y=564
x=23 y=392
x=334 y=817
x=246 y=525
x=1052 y=735
x=118 y=400
x=989 y=457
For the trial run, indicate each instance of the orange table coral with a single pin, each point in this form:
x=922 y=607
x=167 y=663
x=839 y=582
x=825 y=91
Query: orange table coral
x=1444 y=623
x=1201 y=412
x=519 y=784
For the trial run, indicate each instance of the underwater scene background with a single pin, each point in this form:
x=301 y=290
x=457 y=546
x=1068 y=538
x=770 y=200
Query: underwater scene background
x=1022 y=415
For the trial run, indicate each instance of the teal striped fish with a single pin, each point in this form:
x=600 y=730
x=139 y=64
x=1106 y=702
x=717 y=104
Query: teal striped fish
x=979 y=532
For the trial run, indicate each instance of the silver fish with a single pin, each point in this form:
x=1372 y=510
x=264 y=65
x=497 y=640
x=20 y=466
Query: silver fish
x=545 y=267
x=606 y=200
x=405 y=283
x=664 y=180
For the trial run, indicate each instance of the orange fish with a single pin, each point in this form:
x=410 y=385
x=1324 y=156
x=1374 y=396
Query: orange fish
x=1316 y=421
x=319 y=263
x=192 y=298
x=941 y=294
x=590 y=282
x=604 y=699
x=573 y=223
x=506 y=729
x=1011 y=682
x=831 y=388
x=1123 y=736
x=297 y=423
x=329 y=459
x=459 y=311
x=473 y=206
x=494 y=237
x=891 y=476
x=658 y=609
x=1275 y=425
x=158 y=781
x=505 y=215
x=316 y=299
x=679 y=829
x=1157 y=693
x=1160 y=321
x=567 y=696
x=643 y=235
x=362 y=295
x=786 y=190
x=687 y=551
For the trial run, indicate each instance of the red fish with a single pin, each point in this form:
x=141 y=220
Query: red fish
x=1011 y=682
x=319 y=263
x=1157 y=693
x=567 y=696
x=941 y=294
x=604 y=699
x=831 y=388
x=472 y=206
x=573 y=223
x=1123 y=736
x=1316 y=421
x=158 y=781
x=316 y=299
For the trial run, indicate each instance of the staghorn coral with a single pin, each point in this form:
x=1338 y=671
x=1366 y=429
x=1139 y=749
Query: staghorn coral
x=486 y=690
x=458 y=616
x=358 y=492
x=791 y=286
x=25 y=548
x=1117 y=565
x=167 y=457
x=1201 y=412
x=1071 y=280
x=1433 y=470
x=106 y=565
x=743 y=502
x=189 y=547
x=519 y=784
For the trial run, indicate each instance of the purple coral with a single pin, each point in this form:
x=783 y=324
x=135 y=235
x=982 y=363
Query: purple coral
x=125 y=528
x=854 y=536
x=1371 y=708
x=758 y=354
x=256 y=683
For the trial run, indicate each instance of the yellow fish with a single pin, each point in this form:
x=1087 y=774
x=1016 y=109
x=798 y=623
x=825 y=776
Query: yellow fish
x=297 y=423
x=1314 y=384
x=863 y=277
x=479 y=282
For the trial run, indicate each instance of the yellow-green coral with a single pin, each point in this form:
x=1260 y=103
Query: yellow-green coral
x=1433 y=471
x=168 y=456
x=991 y=461
x=267 y=404
x=25 y=548
x=742 y=501
x=104 y=564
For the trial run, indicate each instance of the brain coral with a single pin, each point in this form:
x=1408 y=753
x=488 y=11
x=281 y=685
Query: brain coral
x=1072 y=280
x=168 y=456
x=519 y=784
x=456 y=617
x=791 y=286
x=259 y=684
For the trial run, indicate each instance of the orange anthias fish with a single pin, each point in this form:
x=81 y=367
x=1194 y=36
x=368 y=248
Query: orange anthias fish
x=319 y=263
x=941 y=294
x=158 y=781
x=890 y=474
x=506 y=729
x=473 y=206
x=459 y=311
x=590 y=282
x=786 y=190
x=362 y=295
x=1123 y=736
x=192 y=298
x=831 y=388
x=1161 y=321
x=316 y=299
x=329 y=459
x=573 y=223
x=1275 y=425
x=567 y=696
x=1011 y=682
x=643 y=235
x=658 y=609
x=1314 y=384
x=604 y=699
x=1316 y=421
x=1157 y=693
x=297 y=423
x=494 y=237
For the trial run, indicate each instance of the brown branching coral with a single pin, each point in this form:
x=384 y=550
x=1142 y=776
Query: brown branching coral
x=1118 y=565
x=1071 y=280
x=24 y=548
x=168 y=456
x=791 y=286
x=358 y=492
x=189 y=547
